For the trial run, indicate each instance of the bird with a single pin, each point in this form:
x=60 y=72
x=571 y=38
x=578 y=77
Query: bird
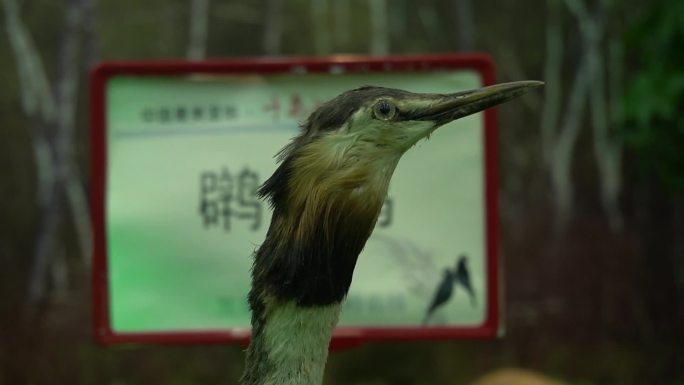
x=442 y=295
x=462 y=277
x=326 y=194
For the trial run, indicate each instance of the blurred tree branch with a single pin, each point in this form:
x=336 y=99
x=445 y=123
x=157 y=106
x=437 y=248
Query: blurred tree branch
x=66 y=87
x=199 y=26
x=343 y=27
x=552 y=77
x=464 y=24
x=427 y=14
x=513 y=70
x=607 y=147
x=558 y=142
x=237 y=13
x=273 y=33
x=564 y=145
x=379 y=39
x=91 y=43
x=321 y=27
x=51 y=115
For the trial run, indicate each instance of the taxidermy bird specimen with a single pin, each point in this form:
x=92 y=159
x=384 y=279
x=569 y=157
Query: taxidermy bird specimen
x=326 y=196
x=459 y=276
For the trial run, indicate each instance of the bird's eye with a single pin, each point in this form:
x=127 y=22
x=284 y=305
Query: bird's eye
x=384 y=110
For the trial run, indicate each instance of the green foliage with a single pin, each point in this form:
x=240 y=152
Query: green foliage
x=654 y=101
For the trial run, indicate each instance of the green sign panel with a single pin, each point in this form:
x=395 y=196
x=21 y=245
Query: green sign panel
x=185 y=155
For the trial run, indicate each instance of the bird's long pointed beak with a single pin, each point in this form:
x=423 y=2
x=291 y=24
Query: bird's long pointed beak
x=443 y=109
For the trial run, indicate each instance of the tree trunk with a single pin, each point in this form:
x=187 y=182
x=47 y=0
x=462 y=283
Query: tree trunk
x=430 y=20
x=464 y=25
x=321 y=30
x=552 y=77
x=564 y=146
x=52 y=121
x=343 y=26
x=379 y=38
x=199 y=25
x=273 y=33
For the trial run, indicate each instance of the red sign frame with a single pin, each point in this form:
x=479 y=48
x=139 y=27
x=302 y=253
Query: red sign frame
x=343 y=336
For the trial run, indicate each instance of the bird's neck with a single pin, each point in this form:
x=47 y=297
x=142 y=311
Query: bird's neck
x=300 y=276
x=290 y=344
x=298 y=286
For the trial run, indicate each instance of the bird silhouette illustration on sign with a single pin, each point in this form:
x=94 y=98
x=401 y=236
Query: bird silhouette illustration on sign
x=444 y=292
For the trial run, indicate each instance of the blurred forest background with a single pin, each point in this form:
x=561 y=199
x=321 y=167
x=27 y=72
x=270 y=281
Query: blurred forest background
x=592 y=179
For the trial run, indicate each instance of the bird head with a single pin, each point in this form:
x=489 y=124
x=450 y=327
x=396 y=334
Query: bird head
x=353 y=142
x=333 y=178
x=372 y=122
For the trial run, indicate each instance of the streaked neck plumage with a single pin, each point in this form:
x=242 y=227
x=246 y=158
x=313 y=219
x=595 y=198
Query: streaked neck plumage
x=304 y=268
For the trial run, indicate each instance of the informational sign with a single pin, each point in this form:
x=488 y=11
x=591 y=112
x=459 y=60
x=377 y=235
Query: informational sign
x=180 y=149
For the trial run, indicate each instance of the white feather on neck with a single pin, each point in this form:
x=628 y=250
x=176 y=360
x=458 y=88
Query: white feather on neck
x=297 y=340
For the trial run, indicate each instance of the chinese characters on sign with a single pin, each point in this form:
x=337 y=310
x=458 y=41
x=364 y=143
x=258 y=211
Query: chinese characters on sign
x=224 y=196
x=188 y=114
x=293 y=106
x=275 y=108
